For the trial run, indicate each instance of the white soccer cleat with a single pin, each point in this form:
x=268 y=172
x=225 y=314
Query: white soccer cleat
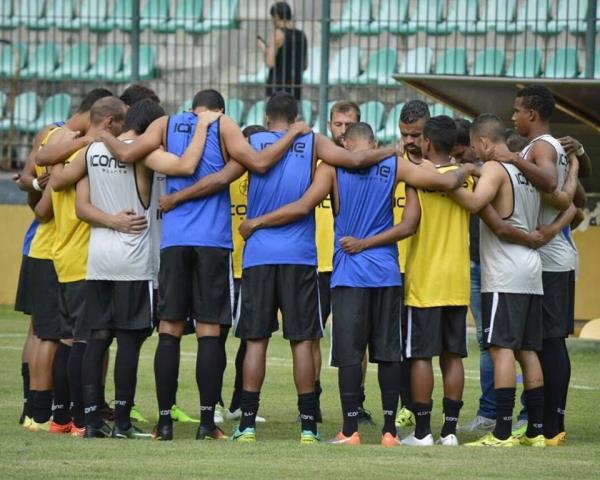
x=413 y=441
x=448 y=441
x=237 y=414
x=219 y=414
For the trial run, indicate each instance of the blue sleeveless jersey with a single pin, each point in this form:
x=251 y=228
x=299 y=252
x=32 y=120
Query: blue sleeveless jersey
x=203 y=222
x=29 y=234
x=286 y=182
x=366 y=209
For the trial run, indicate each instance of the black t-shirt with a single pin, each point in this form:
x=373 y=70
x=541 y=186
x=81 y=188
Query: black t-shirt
x=289 y=64
x=474 y=238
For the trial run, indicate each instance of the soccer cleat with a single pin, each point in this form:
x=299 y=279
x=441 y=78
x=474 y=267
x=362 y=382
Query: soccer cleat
x=38 y=427
x=520 y=428
x=489 y=440
x=364 y=416
x=178 y=415
x=307 y=437
x=58 y=428
x=132 y=433
x=77 y=431
x=219 y=411
x=341 y=439
x=103 y=431
x=448 y=441
x=478 y=423
x=248 y=435
x=537 y=441
x=26 y=422
x=389 y=440
x=216 y=433
x=136 y=415
x=237 y=414
x=107 y=413
x=562 y=437
x=163 y=432
x=411 y=440
x=405 y=418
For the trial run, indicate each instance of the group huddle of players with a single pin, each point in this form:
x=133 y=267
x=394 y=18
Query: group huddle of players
x=133 y=230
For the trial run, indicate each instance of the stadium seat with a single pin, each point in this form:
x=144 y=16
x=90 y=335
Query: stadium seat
x=147 y=69
x=256 y=114
x=417 y=60
x=3 y=98
x=591 y=330
x=533 y=15
x=345 y=66
x=58 y=13
x=222 y=15
x=392 y=15
x=306 y=111
x=460 y=14
x=234 y=109
x=28 y=13
x=186 y=106
x=312 y=75
x=6 y=15
x=121 y=18
x=55 y=108
x=390 y=131
x=154 y=13
x=355 y=16
x=256 y=78
x=427 y=15
x=380 y=68
x=570 y=15
x=24 y=112
x=497 y=13
x=42 y=62
x=490 y=62
x=562 y=64
x=75 y=62
x=372 y=113
x=527 y=63
x=8 y=60
x=93 y=14
x=187 y=14
x=440 y=109
x=452 y=62
x=109 y=61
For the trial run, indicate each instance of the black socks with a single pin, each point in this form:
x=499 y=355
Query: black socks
x=209 y=377
x=534 y=401
x=307 y=406
x=42 y=405
x=239 y=377
x=166 y=372
x=126 y=365
x=349 y=380
x=505 y=403
x=91 y=375
x=556 y=367
x=451 y=412
x=74 y=369
x=422 y=413
x=62 y=397
x=388 y=374
x=26 y=395
x=249 y=405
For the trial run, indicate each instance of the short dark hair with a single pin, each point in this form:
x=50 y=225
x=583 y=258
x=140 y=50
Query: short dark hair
x=137 y=92
x=413 y=111
x=252 y=129
x=282 y=106
x=91 y=97
x=538 y=98
x=107 y=107
x=490 y=126
x=141 y=114
x=281 y=10
x=463 y=127
x=514 y=141
x=344 y=106
x=441 y=130
x=210 y=99
x=360 y=130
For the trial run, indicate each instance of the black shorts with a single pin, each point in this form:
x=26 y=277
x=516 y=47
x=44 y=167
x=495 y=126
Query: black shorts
x=558 y=306
x=45 y=315
x=366 y=317
x=123 y=305
x=512 y=320
x=325 y=295
x=71 y=305
x=195 y=282
x=293 y=289
x=23 y=300
x=433 y=330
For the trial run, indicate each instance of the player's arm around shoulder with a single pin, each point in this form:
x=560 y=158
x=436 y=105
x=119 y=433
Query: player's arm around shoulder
x=63 y=176
x=474 y=200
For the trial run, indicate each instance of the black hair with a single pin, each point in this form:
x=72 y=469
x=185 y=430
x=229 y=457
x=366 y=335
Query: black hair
x=252 y=129
x=441 y=130
x=413 y=111
x=107 y=107
x=463 y=127
x=282 y=106
x=515 y=142
x=91 y=97
x=490 y=126
x=141 y=114
x=281 y=10
x=210 y=99
x=360 y=130
x=137 y=92
x=538 y=98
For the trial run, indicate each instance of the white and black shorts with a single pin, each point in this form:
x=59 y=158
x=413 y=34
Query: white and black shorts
x=433 y=330
x=512 y=320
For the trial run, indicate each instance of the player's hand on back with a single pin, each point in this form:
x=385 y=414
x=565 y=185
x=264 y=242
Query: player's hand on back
x=209 y=117
x=300 y=128
x=570 y=144
x=541 y=236
x=167 y=202
x=247 y=228
x=351 y=245
x=127 y=221
x=499 y=153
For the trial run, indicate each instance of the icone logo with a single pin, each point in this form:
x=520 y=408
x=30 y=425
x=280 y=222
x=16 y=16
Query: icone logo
x=380 y=171
x=183 y=127
x=102 y=160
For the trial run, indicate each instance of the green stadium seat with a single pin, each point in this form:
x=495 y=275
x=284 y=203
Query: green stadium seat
x=440 y=109
x=222 y=15
x=427 y=15
x=55 y=108
x=9 y=55
x=75 y=63
x=417 y=60
x=533 y=15
x=312 y=75
x=306 y=111
x=372 y=113
x=570 y=15
x=3 y=98
x=355 y=16
x=391 y=18
x=42 y=62
x=256 y=78
x=256 y=114
x=24 y=112
x=526 y=64
x=154 y=14
x=345 y=66
x=390 y=131
x=93 y=14
x=109 y=61
x=121 y=18
x=147 y=68
x=28 y=12
x=380 y=68
x=58 y=13
x=562 y=64
x=6 y=15
x=460 y=14
x=489 y=62
x=497 y=13
x=234 y=109
x=452 y=62
x=187 y=14
x=186 y=106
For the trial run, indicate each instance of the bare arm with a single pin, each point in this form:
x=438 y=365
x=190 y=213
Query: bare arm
x=274 y=43
x=63 y=176
x=43 y=209
x=561 y=221
x=572 y=146
x=24 y=180
x=562 y=199
x=61 y=146
x=336 y=156
x=580 y=198
x=508 y=233
x=208 y=185
x=486 y=190
x=143 y=146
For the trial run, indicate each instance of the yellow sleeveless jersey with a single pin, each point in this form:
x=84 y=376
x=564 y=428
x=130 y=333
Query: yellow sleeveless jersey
x=325 y=234
x=239 y=201
x=404 y=244
x=437 y=264
x=72 y=238
x=43 y=240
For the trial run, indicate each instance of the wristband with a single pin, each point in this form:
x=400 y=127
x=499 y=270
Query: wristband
x=580 y=152
x=36 y=185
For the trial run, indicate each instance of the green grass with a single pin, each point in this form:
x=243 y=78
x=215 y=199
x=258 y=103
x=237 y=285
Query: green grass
x=277 y=454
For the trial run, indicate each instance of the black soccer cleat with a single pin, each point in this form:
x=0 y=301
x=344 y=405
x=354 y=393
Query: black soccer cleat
x=205 y=433
x=163 y=432
x=364 y=416
x=103 y=431
x=132 y=432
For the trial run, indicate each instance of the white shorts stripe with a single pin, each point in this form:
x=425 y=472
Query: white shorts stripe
x=495 y=298
x=151 y=292
x=409 y=334
x=231 y=287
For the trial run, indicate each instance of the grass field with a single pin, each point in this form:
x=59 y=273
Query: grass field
x=278 y=454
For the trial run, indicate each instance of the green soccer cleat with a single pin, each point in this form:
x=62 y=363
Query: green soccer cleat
x=538 y=441
x=519 y=429
x=488 y=440
x=246 y=436
x=405 y=418
x=132 y=433
x=309 y=438
x=103 y=431
x=136 y=415
x=178 y=415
